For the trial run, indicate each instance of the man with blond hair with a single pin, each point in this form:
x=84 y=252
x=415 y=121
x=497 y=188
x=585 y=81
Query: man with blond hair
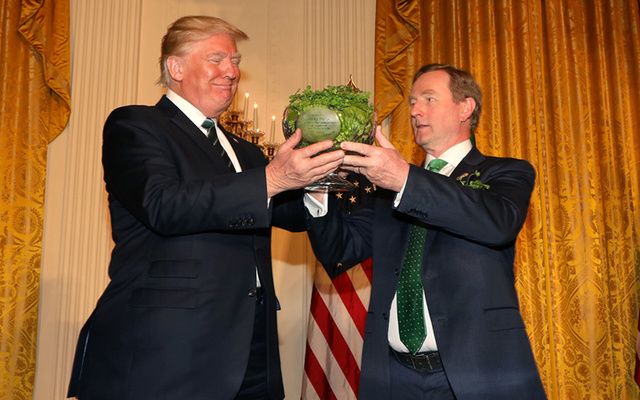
x=190 y=312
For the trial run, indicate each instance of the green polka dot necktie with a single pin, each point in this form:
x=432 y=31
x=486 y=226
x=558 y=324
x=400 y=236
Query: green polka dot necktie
x=410 y=310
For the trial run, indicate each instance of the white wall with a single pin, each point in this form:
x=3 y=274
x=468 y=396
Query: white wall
x=115 y=48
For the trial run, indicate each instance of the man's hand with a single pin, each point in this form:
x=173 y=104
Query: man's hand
x=383 y=165
x=293 y=168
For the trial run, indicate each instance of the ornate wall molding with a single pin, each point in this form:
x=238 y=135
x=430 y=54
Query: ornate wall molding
x=76 y=243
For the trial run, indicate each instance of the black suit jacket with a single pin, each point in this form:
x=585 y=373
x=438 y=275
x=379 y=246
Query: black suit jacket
x=176 y=319
x=467 y=274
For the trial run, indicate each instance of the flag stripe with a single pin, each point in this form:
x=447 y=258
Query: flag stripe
x=332 y=371
x=339 y=316
x=316 y=376
x=337 y=344
x=324 y=373
x=336 y=331
x=349 y=297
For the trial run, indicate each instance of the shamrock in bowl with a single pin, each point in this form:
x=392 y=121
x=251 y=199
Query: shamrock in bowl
x=340 y=113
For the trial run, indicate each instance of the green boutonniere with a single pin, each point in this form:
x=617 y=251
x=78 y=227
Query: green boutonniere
x=472 y=180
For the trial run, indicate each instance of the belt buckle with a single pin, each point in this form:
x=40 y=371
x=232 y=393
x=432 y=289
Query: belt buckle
x=427 y=358
x=420 y=362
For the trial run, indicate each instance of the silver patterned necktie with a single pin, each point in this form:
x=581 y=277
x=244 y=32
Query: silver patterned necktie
x=410 y=311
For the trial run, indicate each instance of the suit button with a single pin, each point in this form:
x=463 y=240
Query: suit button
x=252 y=292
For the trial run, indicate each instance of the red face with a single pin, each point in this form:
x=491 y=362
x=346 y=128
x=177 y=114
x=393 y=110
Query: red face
x=207 y=75
x=438 y=122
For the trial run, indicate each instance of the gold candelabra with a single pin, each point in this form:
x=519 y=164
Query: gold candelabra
x=233 y=121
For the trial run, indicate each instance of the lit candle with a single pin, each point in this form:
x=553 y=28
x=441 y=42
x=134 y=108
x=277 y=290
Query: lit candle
x=234 y=102
x=255 y=116
x=273 y=129
x=246 y=107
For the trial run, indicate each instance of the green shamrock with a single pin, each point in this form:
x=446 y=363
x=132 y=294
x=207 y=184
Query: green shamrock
x=472 y=180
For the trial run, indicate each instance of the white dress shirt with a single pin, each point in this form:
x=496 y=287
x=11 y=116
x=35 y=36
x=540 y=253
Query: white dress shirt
x=197 y=117
x=452 y=156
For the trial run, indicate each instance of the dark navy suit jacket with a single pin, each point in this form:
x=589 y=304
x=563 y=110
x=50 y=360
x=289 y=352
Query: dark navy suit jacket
x=176 y=319
x=467 y=274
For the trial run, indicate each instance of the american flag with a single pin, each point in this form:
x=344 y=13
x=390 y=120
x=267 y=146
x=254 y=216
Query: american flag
x=337 y=318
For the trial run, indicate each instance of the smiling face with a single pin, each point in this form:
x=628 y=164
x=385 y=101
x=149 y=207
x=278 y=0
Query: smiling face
x=207 y=74
x=438 y=121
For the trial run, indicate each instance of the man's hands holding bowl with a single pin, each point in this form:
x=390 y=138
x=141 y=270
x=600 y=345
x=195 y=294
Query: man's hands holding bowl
x=382 y=165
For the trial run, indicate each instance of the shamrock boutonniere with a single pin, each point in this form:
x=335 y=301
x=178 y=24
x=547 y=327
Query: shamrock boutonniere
x=472 y=180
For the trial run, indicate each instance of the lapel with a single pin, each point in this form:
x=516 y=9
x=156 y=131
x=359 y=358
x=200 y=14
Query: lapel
x=194 y=134
x=468 y=164
x=243 y=157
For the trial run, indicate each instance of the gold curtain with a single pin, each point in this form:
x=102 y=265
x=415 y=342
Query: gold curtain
x=34 y=109
x=561 y=88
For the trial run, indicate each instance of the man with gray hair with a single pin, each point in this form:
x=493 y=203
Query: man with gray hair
x=190 y=311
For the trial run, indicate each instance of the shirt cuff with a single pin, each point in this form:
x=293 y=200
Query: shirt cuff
x=396 y=201
x=316 y=208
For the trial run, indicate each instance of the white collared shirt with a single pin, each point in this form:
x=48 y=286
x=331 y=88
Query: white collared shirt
x=453 y=156
x=197 y=117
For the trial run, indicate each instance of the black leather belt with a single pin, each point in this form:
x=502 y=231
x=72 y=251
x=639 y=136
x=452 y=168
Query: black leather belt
x=427 y=362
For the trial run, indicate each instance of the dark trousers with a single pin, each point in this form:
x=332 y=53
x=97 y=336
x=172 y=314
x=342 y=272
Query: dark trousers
x=254 y=384
x=410 y=384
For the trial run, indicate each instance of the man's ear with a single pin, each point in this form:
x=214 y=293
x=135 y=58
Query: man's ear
x=468 y=105
x=174 y=67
